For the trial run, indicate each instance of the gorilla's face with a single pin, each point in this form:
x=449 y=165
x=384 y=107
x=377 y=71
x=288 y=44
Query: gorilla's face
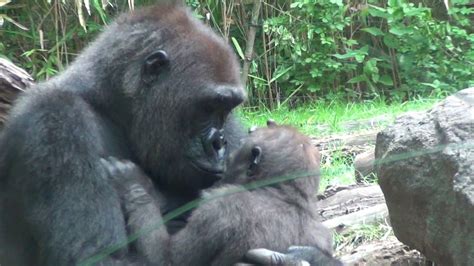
x=189 y=83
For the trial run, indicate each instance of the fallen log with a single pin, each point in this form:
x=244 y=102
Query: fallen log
x=336 y=142
x=13 y=80
x=348 y=145
x=365 y=216
x=349 y=200
x=364 y=166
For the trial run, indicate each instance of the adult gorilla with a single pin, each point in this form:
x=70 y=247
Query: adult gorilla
x=156 y=88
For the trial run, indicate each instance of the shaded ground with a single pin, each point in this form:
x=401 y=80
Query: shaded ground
x=358 y=216
x=383 y=252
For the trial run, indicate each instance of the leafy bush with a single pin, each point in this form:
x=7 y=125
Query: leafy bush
x=390 y=49
x=305 y=50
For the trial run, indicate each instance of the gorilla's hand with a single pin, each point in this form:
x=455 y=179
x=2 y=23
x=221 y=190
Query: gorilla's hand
x=296 y=255
x=132 y=185
x=141 y=209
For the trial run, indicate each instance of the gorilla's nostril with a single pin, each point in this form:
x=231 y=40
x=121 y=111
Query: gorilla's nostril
x=215 y=142
x=218 y=143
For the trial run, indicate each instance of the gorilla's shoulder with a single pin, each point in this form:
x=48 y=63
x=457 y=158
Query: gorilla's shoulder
x=42 y=101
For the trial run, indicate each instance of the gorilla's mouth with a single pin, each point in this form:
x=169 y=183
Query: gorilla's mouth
x=216 y=172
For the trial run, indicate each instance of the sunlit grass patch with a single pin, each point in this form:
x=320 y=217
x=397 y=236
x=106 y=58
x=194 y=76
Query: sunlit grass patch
x=323 y=118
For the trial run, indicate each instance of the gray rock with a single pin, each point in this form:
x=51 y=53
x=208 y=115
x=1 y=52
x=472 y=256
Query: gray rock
x=425 y=167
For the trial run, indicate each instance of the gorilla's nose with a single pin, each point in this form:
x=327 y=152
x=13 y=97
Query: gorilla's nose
x=230 y=96
x=216 y=143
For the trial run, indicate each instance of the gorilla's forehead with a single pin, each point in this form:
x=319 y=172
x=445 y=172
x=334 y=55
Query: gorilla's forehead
x=173 y=27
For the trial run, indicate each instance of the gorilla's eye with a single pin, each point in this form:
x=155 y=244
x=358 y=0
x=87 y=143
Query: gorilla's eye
x=156 y=61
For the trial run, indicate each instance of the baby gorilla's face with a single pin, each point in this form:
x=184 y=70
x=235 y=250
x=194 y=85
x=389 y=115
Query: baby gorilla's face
x=243 y=163
x=269 y=152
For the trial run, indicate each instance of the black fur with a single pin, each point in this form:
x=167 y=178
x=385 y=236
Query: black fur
x=227 y=224
x=58 y=207
x=272 y=216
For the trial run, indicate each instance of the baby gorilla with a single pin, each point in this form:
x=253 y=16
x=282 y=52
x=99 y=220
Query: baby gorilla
x=265 y=200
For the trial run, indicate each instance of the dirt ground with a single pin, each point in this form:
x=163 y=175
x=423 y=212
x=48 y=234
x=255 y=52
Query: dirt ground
x=383 y=252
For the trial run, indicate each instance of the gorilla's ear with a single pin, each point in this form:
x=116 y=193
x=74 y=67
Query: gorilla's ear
x=156 y=62
x=252 y=129
x=254 y=159
x=256 y=155
x=271 y=123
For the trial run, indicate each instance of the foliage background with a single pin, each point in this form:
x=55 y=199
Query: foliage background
x=305 y=50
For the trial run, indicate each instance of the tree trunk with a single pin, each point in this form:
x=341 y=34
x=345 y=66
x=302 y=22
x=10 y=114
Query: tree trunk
x=250 y=40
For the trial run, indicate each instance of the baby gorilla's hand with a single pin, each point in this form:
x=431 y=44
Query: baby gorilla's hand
x=131 y=184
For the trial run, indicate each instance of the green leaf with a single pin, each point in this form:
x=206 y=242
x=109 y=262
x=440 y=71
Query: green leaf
x=359 y=54
x=7 y=18
x=345 y=56
x=390 y=41
x=364 y=49
x=99 y=7
x=360 y=58
x=238 y=48
x=280 y=73
x=375 y=77
x=357 y=79
x=376 y=11
x=337 y=2
x=393 y=3
x=370 y=67
x=386 y=80
x=373 y=31
x=400 y=30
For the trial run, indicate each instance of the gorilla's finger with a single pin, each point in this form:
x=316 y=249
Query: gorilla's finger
x=263 y=256
x=315 y=255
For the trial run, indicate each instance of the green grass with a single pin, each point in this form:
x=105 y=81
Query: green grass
x=348 y=240
x=323 y=118
x=337 y=170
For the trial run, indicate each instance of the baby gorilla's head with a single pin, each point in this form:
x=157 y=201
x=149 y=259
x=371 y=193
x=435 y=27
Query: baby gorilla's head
x=278 y=153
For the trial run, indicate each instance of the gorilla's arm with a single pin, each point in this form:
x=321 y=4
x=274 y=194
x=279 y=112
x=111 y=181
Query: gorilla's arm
x=195 y=244
x=198 y=242
x=141 y=207
x=57 y=193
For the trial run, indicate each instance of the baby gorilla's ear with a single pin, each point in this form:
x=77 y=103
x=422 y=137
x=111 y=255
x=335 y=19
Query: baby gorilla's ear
x=271 y=123
x=256 y=155
x=252 y=129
